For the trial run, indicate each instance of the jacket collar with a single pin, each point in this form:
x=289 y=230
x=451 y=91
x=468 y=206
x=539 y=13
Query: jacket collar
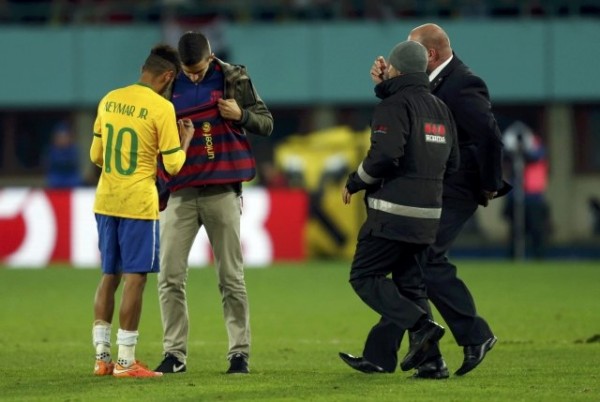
x=396 y=84
x=445 y=72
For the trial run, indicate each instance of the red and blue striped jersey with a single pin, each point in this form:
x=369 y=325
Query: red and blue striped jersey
x=220 y=151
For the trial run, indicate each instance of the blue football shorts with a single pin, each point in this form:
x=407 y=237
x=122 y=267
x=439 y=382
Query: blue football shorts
x=128 y=245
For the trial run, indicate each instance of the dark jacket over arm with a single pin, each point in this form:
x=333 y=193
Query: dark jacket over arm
x=479 y=137
x=256 y=118
x=388 y=138
x=413 y=144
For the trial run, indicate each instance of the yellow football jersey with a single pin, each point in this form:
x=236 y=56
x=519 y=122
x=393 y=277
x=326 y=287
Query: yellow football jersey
x=132 y=126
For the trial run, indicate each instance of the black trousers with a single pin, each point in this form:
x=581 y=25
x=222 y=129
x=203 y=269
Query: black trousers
x=445 y=290
x=400 y=299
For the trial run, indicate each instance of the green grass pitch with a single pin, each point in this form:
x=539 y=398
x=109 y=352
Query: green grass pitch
x=545 y=315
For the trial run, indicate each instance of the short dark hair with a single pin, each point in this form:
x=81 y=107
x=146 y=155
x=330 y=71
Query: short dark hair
x=162 y=58
x=193 y=47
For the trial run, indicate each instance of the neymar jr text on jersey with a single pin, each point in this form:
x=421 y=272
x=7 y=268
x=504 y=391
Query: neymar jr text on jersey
x=124 y=108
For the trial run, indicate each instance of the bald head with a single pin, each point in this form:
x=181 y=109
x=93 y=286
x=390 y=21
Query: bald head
x=435 y=40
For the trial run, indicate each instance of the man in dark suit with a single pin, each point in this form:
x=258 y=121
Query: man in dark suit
x=478 y=180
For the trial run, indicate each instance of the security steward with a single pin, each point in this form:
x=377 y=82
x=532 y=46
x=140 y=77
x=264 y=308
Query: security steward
x=413 y=146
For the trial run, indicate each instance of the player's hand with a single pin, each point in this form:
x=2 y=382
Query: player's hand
x=346 y=196
x=229 y=109
x=378 y=70
x=186 y=132
x=186 y=127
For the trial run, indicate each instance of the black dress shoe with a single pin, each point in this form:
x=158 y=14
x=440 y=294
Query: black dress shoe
x=361 y=364
x=420 y=342
x=474 y=355
x=433 y=368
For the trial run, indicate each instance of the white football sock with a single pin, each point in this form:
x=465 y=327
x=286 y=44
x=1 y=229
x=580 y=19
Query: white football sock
x=101 y=339
x=126 y=341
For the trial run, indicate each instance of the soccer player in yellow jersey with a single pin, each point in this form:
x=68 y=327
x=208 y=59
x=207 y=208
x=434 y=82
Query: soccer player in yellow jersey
x=133 y=125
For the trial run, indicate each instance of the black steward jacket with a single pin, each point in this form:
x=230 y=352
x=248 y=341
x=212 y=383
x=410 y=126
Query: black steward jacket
x=413 y=146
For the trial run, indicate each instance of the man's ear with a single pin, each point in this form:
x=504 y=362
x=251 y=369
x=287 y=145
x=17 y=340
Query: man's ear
x=432 y=54
x=169 y=76
x=392 y=72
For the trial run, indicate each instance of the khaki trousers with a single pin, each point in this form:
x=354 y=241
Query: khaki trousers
x=218 y=208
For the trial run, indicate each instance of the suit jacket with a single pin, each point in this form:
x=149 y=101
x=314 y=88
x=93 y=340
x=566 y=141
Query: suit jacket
x=479 y=137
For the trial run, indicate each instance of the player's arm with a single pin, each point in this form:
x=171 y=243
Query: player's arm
x=173 y=145
x=97 y=150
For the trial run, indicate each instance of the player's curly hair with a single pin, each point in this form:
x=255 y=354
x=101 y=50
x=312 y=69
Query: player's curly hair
x=162 y=58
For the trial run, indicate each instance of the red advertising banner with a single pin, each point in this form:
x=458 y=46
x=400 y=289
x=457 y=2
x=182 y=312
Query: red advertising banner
x=39 y=227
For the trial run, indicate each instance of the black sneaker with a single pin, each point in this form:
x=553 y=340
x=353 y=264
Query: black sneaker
x=171 y=364
x=238 y=364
